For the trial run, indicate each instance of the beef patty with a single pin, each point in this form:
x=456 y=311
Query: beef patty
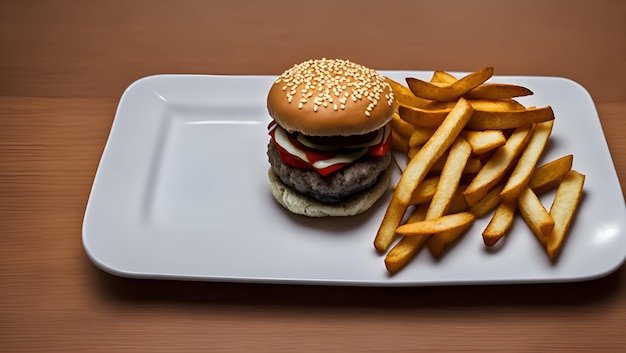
x=335 y=187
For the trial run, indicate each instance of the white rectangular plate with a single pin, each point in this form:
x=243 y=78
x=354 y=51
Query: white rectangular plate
x=181 y=192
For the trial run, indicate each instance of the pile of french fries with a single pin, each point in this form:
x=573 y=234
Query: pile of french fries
x=472 y=149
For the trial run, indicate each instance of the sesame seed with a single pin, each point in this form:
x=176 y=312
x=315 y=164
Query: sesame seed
x=300 y=105
x=344 y=78
x=335 y=107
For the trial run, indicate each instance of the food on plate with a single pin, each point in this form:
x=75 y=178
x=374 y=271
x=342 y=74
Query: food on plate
x=483 y=119
x=472 y=151
x=417 y=168
x=526 y=164
x=535 y=214
x=330 y=140
x=548 y=176
x=452 y=91
x=496 y=167
x=564 y=206
x=436 y=225
x=500 y=222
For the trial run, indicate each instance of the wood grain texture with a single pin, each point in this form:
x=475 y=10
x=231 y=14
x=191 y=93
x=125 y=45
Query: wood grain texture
x=64 y=65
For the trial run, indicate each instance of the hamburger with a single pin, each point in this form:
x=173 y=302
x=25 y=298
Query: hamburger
x=329 y=149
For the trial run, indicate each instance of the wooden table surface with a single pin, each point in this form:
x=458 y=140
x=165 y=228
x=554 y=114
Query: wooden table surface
x=64 y=65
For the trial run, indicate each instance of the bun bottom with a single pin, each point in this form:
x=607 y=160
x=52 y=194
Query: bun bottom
x=301 y=204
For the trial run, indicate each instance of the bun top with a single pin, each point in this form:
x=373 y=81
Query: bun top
x=331 y=98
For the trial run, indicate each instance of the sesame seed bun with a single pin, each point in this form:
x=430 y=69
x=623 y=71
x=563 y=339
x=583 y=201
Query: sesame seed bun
x=331 y=98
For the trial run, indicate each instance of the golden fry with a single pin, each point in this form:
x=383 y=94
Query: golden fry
x=500 y=222
x=547 y=176
x=481 y=119
x=436 y=225
x=439 y=242
x=485 y=90
x=495 y=168
x=399 y=143
x=399 y=126
x=443 y=77
x=535 y=215
x=528 y=160
x=564 y=206
x=502 y=105
x=458 y=203
x=485 y=140
x=404 y=96
x=401 y=253
x=420 y=136
x=487 y=120
x=497 y=91
x=488 y=202
x=460 y=152
x=451 y=92
x=425 y=191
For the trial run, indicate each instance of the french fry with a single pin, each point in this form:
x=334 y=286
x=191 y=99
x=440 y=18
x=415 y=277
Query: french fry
x=485 y=105
x=399 y=143
x=487 y=120
x=488 y=202
x=439 y=242
x=535 y=215
x=528 y=160
x=563 y=207
x=500 y=222
x=420 y=136
x=547 y=176
x=495 y=168
x=472 y=166
x=443 y=77
x=485 y=140
x=497 y=91
x=451 y=92
x=401 y=127
x=460 y=152
x=483 y=91
x=404 y=96
x=412 y=152
x=443 y=198
x=436 y=225
x=481 y=119
x=417 y=168
x=401 y=253
x=458 y=203
x=425 y=191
